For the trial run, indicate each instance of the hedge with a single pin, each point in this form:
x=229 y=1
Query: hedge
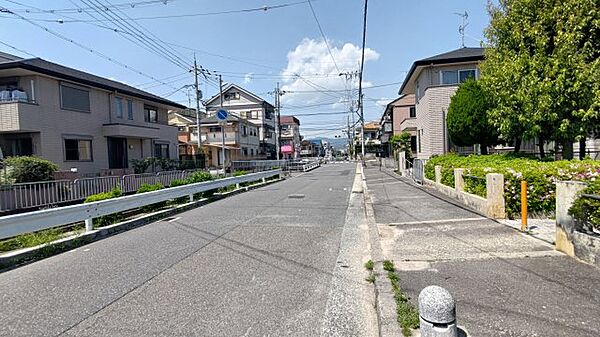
x=149 y=188
x=541 y=177
x=30 y=169
x=106 y=220
x=585 y=210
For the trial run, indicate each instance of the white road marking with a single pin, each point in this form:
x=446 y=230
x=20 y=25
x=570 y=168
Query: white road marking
x=174 y=219
x=435 y=221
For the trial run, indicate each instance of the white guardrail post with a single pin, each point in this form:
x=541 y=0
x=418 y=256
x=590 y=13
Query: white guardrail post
x=12 y=225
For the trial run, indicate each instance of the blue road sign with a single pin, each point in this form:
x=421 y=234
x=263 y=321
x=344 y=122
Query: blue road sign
x=222 y=115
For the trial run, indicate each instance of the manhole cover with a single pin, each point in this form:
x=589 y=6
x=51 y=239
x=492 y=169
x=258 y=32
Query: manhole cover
x=296 y=196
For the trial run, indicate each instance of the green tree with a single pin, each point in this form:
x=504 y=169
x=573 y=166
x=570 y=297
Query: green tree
x=542 y=67
x=401 y=143
x=467 y=118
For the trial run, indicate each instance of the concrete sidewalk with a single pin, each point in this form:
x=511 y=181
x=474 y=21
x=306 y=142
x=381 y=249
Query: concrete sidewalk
x=505 y=283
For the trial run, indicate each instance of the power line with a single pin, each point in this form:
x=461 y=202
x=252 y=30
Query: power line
x=80 y=45
x=17 y=49
x=129 y=5
x=323 y=35
x=247 y=10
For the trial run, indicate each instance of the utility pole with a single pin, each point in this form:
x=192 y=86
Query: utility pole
x=198 y=98
x=277 y=125
x=224 y=123
x=360 y=77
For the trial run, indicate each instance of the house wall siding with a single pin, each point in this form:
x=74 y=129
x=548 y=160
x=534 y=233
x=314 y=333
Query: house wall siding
x=53 y=123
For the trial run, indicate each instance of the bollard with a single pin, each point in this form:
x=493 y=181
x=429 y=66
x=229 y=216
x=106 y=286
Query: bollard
x=523 y=205
x=437 y=313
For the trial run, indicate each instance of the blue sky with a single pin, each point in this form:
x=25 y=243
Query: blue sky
x=254 y=49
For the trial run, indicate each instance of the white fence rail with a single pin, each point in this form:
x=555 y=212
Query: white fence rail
x=48 y=193
x=285 y=165
x=13 y=225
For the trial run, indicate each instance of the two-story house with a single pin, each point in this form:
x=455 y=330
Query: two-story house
x=241 y=140
x=80 y=121
x=246 y=105
x=290 y=137
x=434 y=81
x=187 y=135
x=399 y=116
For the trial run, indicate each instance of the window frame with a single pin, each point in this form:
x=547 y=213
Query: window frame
x=75 y=87
x=78 y=140
x=162 y=145
x=458 y=72
x=147 y=109
x=130 y=109
x=118 y=107
x=412 y=112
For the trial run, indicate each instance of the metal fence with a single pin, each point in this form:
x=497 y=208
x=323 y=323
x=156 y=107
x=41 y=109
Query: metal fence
x=51 y=193
x=16 y=224
x=301 y=165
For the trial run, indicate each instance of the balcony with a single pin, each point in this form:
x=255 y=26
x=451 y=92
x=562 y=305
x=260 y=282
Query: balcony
x=409 y=124
x=130 y=131
x=215 y=137
x=19 y=115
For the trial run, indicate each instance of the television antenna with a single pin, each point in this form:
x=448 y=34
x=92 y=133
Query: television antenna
x=463 y=26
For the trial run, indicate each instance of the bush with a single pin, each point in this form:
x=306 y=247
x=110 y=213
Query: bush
x=541 y=177
x=586 y=211
x=175 y=183
x=30 y=169
x=240 y=173
x=149 y=188
x=106 y=219
x=199 y=177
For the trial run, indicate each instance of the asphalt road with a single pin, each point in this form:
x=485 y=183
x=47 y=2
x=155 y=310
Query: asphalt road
x=280 y=260
x=505 y=283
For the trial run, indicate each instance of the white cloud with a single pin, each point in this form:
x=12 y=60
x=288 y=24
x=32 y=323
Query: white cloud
x=310 y=68
x=248 y=78
x=383 y=102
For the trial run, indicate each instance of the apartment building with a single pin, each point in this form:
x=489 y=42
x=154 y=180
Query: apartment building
x=433 y=81
x=290 y=137
x=249 y=106
x=82 y=122
x=241 y=140
x=399 y=116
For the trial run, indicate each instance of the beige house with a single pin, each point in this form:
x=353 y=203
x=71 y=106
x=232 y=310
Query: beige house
x=78 y=120
x=434 y=81
x=249 y=106
x=241 y=140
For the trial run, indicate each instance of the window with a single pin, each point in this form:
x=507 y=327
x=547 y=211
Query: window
x=252 y=152
x=413 y=143
x=231 y=96
x=449 y=77
x=161 y=150
x=73 y=98
x=151 y=114
x=419 y=135
x=463 y=75
x=130 y=109
x=244 y=130
x=214 y=129
x=412 y=112
x=119 y=107
x=455 y=77
x=78 y=150
x=245 y=151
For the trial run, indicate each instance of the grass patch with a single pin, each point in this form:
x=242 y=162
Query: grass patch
x=372 y=277
x=34 y=239
x=407 y=313
x=369 y=265
x=388 y=265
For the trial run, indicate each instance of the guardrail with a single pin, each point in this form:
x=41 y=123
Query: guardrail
x=48 y=193
x=285 y=165
x=13 y=225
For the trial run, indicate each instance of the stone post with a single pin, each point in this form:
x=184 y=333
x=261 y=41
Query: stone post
x=402 y=162
x=495 y=196
x=438 y=174
x=566 y=193
x=459 y=181
x=437 y=313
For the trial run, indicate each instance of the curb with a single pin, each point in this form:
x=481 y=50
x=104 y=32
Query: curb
x=28 y=255
x=384 y=294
